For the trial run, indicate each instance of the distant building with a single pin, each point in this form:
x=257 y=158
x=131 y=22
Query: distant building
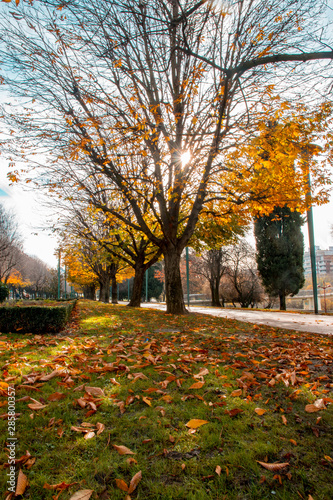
x=324 y=262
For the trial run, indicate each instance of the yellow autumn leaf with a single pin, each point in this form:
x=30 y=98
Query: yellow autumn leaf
x=260 y=411
x=195 y=423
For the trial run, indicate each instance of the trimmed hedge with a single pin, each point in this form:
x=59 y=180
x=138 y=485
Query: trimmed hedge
x=35 y=319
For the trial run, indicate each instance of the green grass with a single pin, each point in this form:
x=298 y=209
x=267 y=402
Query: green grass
x=108 y=345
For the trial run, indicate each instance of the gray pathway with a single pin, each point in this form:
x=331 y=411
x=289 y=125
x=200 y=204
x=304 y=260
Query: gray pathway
x=291 y=321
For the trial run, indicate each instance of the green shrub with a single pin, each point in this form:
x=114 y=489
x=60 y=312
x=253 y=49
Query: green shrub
x=4 y=292
x=35 y=318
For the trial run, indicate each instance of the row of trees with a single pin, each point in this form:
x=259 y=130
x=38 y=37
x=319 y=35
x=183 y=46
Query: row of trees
x=18 y=270
x=152 y=117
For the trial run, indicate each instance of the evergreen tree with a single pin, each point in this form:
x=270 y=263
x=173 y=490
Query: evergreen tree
x=280 y=247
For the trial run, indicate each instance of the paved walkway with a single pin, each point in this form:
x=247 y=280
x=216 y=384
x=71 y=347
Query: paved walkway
x=291 y=321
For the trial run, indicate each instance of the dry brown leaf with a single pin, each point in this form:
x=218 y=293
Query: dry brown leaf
x=309 y=408
x=123 y=450
x=94 y=391
x=195 y=423
x=55 y=373
x=22 y=483
x=56 y=396
x=82 y=495
x=284 y=420
x=260 y=411
x=183 y=466
x=60 y=486
x=121 y=485
x=100 y=428
x=36 y=406
x=131 y=461
x=237 y=392
x=30 y=462
x=218 y=470
x=233 y=412
x=292 y=441
x=135 y=481
x=129 y=400
x=273 y=467
x=201 y=373
x=197 y=385
x=89 y=435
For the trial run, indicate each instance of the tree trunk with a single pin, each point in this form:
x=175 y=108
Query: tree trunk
x=282 y=297
x=89 y=292
x=104 y=291
x=114 y=290
x=173 y=283
x=137 y=285
x=214 y=289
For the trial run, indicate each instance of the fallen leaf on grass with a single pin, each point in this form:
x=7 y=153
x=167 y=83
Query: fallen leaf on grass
x=36 y=406
x=146 y=400
x=260 y=411
x=123 y=450
x=293 y=442
x=183 y=466
x=94 y=391
x=237 y=392
x=129 y=400
x=82 y=495
x=135 y=481
x=56 y=396
x=60 y=486
x=89 y=435
x=131 y=461
x=55 y=373
x=100 y=428
x=218 y=470
x=22 y=483
x=195 y=423
x=273 y=467
x=233 y=412
x=197 y=385
x=121 y=485
x=316 y=406
x=284 y=420
x=201 y=373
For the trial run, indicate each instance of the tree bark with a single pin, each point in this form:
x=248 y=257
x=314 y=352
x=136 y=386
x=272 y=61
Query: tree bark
x=89 y=292
x=104 y=291
x=214 y=289
x=114 y=294
x=173 y=283
x=137 y=285
x=282 y=297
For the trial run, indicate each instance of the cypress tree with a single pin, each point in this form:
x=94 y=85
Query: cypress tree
x=280 y=248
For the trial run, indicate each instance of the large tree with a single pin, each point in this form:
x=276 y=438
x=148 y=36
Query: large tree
x=10 y=243
x=280 y=249
x=149 y=95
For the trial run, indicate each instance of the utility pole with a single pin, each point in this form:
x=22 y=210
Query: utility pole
x=59 y=283
x=310 y=149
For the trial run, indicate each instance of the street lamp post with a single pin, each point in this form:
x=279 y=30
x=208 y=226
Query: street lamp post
x=324 y=287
